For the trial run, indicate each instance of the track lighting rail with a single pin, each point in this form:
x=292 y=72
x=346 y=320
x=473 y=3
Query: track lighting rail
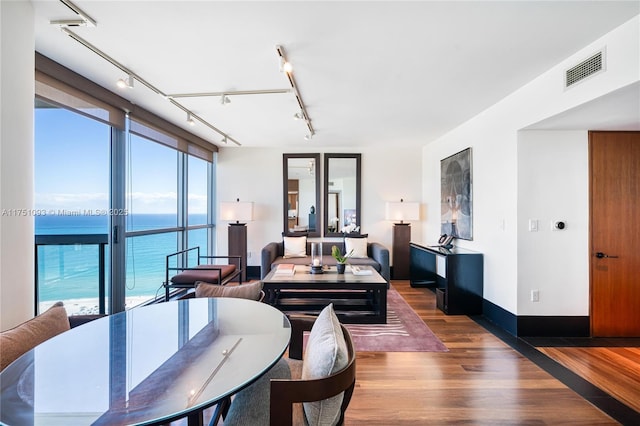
x=292 y=81
x=230 y=93
x=145 y=83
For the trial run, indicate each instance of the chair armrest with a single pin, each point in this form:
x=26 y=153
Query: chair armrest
x=268 y=255
x=290 y=391
x=299 y=324
x=380 y=254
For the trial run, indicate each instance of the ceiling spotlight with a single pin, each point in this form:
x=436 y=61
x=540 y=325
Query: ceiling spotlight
x=128 y=82
x=298 y=116
x=224 y=140
x=285 y=66
x=225 y=100
x=190 y=120
x=308 y=137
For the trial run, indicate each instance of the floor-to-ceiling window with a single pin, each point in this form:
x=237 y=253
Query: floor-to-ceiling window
x=71 y=198
x=162 y=185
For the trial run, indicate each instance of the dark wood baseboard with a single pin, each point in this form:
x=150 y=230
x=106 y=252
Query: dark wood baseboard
x=538 y=326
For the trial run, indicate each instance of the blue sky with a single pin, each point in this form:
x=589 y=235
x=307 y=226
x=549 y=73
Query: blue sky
x=72 y=168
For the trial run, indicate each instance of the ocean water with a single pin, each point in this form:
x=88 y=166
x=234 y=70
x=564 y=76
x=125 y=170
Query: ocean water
x=71 y=271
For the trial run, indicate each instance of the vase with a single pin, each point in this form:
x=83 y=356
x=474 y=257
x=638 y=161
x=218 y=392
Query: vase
x=341 y=267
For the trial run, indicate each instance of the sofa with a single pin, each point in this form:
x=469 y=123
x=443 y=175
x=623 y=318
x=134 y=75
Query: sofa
x=378 y=257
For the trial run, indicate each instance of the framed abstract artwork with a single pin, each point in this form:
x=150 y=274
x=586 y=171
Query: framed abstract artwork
x=456 y=195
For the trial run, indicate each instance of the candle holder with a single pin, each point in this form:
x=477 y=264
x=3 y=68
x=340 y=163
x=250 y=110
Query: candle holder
x=316 y=258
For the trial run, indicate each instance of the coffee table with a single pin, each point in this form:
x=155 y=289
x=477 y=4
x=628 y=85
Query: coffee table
x=357 y=299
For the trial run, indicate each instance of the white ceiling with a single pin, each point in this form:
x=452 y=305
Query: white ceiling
x=370 y=73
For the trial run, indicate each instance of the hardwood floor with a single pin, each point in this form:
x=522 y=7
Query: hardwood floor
x=481 y=380
x=613 y=369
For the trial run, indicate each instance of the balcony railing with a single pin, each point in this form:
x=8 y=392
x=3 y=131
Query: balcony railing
x=101 y=240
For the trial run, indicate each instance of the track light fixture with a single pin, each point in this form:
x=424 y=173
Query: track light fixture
x=308 y=137
x=285 y=66
x=141 y=80
x=225 y=100
x=190 y=120
x=83 y=20
x=292 y=81
x=128 y=82
x=298 y=116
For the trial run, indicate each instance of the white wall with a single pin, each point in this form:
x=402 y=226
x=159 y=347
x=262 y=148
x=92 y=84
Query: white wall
x=16 y=159
x=255 y=174
x=553 y=185
x=493 y=135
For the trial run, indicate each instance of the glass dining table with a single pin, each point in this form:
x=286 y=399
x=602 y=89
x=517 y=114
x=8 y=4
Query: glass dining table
x=147 y=365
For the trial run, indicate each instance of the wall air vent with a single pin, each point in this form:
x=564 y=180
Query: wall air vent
x=584 y=69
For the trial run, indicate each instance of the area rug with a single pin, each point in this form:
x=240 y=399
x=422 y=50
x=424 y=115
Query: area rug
x=403 y=332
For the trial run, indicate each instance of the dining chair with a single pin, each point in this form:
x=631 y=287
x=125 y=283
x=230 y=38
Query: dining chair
x=314 y=389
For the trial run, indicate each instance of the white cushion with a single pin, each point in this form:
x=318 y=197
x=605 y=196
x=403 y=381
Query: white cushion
x=326 y=353
x=295 y=246
x=358 y=245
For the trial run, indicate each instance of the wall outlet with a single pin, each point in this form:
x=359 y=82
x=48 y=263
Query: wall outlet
x=248 y=255
x=533 y=225
x=535 y=295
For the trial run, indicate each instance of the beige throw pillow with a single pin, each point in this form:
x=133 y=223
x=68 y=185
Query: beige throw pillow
x=249 y=291
x=29 y=334
x=326 y=353
x=358 y=245
x=295 y=247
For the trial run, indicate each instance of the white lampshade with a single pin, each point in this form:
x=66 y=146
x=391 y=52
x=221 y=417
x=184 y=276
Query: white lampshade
x=401 y=211
x=236 y=211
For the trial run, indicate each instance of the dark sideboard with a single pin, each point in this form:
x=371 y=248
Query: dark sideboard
x=455 y=274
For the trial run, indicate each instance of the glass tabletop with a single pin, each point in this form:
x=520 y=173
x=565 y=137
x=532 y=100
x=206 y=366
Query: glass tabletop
x=145 y=365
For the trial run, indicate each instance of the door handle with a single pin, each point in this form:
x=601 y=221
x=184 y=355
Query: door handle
x=601 y=255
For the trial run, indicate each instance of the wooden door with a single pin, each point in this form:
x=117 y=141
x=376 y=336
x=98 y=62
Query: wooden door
x=615 y=233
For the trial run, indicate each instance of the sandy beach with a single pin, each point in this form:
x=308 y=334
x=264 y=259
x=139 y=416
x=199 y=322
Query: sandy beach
x=90 y=305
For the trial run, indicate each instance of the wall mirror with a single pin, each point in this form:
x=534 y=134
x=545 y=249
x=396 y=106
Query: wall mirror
x=341 y=194
x=301 y=194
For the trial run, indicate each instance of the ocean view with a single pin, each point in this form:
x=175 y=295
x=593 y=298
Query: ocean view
x=68 y=272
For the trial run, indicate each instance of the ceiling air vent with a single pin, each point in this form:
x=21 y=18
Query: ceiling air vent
x=584 y=69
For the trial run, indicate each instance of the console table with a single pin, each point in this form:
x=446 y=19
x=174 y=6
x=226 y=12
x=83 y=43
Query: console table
x=456 y=274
